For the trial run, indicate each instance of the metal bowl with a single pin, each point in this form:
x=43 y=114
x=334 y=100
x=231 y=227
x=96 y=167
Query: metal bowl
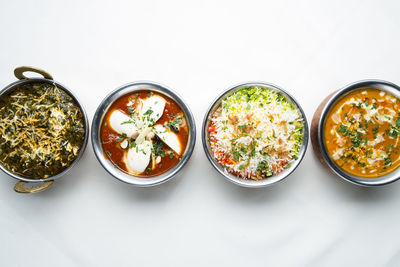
x=248 y=182
x=41 y=184
x=102 y=110
x=379 y=84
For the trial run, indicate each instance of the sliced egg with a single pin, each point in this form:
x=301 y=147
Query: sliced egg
x=138 y=158
x=168 y=137
x=152 y=108
x=122 y=123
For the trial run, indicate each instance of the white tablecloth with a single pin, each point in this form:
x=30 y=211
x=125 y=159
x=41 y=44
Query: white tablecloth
x=310 y=48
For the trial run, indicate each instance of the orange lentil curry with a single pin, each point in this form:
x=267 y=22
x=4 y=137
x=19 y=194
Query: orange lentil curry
x=361 y=132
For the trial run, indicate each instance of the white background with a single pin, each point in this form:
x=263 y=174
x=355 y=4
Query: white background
x=310 y=48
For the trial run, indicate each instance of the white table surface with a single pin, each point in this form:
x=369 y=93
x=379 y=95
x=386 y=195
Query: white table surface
x=310 y=48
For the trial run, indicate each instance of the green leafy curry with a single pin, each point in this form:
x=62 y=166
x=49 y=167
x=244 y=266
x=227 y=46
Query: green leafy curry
x=42 y=130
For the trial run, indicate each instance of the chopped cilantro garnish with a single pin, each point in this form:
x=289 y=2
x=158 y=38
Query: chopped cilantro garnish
x=253 y=151
x=398 y=122
x=132 y=144
x=175 y=122
x=342 y=129
x=376 y=129
x=236 y=155
x=148 y=112
x=158 y=150
x=127 y=122
x=242 y=127
x=356 y=140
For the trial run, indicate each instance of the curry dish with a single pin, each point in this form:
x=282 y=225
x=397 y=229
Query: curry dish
x=361 y=132
x=144 y=133
x=42 y=130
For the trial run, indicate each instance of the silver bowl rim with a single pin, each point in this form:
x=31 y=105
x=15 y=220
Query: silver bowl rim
x=247 y=182
x=357 y=180
x=13 y=86
x=102 y=110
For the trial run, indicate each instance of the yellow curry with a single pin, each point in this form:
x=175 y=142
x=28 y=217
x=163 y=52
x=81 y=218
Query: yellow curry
x=362 y=132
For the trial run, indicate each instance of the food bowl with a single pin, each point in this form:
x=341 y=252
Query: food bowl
x=322 y=115
x=292 y=165
x=132 y=89
x=38 y=184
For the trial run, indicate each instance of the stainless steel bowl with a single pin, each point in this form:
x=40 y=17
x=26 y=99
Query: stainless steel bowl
x=102 y=110
x=247 y=182
x=379 y=84
x=41 y=184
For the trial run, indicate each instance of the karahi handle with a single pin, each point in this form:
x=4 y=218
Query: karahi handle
x=20 y=187
x=19 y=72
